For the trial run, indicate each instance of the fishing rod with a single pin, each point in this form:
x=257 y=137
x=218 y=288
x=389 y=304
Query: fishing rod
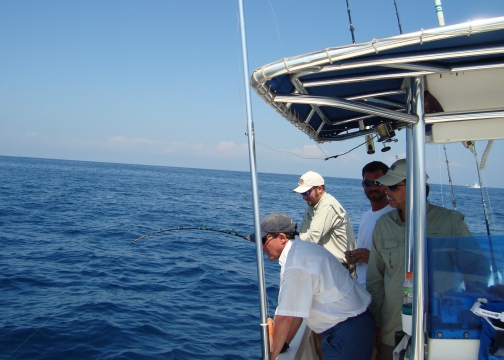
x=202 y=227
x=352 y=29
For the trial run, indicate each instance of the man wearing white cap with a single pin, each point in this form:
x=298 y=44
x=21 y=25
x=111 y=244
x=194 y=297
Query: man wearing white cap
x=386 y=267
x=314 y=286
x=325 y=221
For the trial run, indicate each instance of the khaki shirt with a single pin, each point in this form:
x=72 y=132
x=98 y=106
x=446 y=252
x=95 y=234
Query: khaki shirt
x=386 y=266
x=328 y=224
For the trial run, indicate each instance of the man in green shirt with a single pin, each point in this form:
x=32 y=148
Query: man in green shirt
x=386 y=267
x=325 y=221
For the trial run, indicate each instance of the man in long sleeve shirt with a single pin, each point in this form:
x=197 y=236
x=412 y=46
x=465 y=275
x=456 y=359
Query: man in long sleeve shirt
x=386 y=267
x=325 y=221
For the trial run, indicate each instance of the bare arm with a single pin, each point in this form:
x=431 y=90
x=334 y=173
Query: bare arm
x=285 y=326
x=296 y=323
x=375 y=281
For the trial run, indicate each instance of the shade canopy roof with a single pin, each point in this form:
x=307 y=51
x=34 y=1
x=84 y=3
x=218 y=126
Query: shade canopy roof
x=343 y=92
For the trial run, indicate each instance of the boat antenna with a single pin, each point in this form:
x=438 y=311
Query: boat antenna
x=439 y=12
x=397 y=14
x=352 y=29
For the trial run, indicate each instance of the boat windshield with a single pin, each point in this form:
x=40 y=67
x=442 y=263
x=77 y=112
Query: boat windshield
x=461 y=270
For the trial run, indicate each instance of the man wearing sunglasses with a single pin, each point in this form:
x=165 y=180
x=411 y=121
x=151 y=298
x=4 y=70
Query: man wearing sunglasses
x=386 y=267
x=314 y=286
x=375 y=192
x=325 y=221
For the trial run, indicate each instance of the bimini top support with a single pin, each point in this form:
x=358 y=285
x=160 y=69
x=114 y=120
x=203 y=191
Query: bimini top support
x=327 y=93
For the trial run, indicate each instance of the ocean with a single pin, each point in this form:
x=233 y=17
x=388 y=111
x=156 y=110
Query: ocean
x=74 y=286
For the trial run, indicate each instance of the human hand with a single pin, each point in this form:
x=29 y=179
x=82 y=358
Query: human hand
x=350 y=258
x=377 y=337
x=360 y=255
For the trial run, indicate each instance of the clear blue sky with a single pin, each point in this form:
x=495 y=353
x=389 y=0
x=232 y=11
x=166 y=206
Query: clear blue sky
x=160 y=82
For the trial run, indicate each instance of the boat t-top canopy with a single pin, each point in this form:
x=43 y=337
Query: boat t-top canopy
x=344 y=92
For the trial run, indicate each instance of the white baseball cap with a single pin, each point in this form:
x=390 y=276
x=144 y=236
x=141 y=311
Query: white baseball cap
x=307 y=181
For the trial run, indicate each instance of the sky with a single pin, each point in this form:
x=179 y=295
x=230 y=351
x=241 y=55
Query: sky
x=161 y=82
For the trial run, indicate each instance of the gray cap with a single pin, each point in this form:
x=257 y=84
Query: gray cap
x=396 y=174
x=275 y=223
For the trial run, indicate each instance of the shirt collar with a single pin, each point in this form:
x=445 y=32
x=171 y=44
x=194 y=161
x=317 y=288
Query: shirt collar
x=395 y=213
x=320 y=200
x=285 y=251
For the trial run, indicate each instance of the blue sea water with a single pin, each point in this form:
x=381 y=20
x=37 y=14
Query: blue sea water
x=73 y=286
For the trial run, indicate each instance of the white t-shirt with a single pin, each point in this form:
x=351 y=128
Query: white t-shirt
x=316 y=287
x=365 y=238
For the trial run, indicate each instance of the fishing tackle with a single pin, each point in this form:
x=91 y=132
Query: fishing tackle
x=202 y=227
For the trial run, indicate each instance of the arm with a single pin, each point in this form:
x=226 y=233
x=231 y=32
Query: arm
x=284 y=327
x=375 y=279
x=324 y=220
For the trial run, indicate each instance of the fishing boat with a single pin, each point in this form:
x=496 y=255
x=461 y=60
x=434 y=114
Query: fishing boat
x=475 y=186
x=440 y=86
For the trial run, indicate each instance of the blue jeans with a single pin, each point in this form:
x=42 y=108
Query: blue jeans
x=350 y=339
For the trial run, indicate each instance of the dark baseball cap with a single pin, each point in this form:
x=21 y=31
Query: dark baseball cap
x=275 y=223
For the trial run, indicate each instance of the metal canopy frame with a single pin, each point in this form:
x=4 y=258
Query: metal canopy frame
x=341 y=93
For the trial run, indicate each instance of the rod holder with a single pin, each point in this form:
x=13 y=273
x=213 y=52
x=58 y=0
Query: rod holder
x=370 y=145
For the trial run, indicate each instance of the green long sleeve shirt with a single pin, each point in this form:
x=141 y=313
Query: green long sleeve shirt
x=386 y=267
x=327 y=224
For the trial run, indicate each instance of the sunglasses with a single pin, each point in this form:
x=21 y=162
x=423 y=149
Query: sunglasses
x=369 y=183
x=394 y=187
x=307 y=193
x=268 y=237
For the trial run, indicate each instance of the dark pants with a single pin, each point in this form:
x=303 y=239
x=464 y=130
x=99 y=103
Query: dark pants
x=350 y=339
x=385 y=352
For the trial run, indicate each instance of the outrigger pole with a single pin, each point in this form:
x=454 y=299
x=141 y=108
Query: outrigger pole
x=397 y=14
x=255 y=191
x=352 y=29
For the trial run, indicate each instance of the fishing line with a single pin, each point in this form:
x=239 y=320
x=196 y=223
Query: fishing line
x=276 y=25
x=227 y=232
x=240 y=69
x=203 y=227
x=335 y=156
x=289 y=152
x=308 y=158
